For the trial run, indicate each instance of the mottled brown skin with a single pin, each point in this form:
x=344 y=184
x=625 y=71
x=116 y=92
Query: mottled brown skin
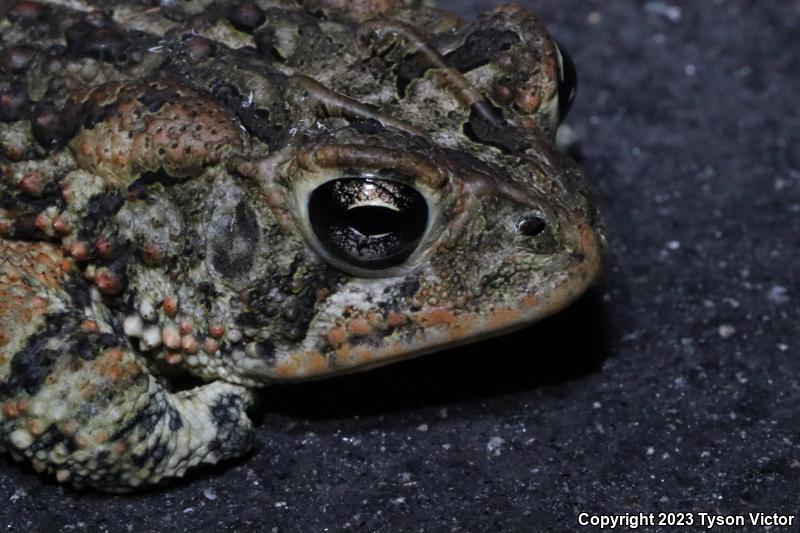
x=157 y=164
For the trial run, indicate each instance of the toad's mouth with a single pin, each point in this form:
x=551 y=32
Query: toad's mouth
x=372 y=339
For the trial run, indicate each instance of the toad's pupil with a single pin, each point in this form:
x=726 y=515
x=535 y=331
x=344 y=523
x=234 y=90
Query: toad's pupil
x=368 y=223
x=374 y=221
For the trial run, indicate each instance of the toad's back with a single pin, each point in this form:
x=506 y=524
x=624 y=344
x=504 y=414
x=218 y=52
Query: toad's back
x=252 y=192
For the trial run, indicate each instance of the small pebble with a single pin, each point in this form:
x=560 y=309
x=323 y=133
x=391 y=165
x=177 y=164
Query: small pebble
x=495 y=443
x=778 y=295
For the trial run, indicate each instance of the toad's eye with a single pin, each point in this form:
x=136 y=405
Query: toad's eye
x=368 y=223
x=567 y=83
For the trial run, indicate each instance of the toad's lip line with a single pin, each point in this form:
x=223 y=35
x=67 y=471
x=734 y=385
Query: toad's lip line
x=459 y=329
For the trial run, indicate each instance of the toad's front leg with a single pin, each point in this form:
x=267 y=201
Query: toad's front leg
x=77 y=400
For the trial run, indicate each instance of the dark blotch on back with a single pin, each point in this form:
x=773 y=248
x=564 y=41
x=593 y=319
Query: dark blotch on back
x=95 y=37
x=78 y=290
x=412 y=68
x=230 y=434
x=266 y=351
x=104 y=205
x=90 y=114
x=52 y=437
x=256 y=121
x=143 y=423
x=175 y=420
x=249 y=319
x=368 y=126
x=25 y=228
x=138 y=190
x=409 y=287
x=481 y=48
x=266 y=42
x=88 y=345
x=480 y=130
x=31 y=365
x=208 y=65
x=155 y=99
x=100 y=209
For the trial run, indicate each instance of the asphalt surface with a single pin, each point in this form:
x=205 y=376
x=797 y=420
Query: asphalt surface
x=674 y=387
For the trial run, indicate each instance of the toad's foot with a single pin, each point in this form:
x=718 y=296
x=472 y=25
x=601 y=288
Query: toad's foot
x=79 y=402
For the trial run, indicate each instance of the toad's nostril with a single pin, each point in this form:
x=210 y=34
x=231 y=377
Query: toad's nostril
x=531 y=225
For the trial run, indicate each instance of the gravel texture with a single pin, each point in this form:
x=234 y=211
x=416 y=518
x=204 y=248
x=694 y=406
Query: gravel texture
x=673 y=387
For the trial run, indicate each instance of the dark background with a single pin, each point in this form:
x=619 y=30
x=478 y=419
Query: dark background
x=673 y=387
